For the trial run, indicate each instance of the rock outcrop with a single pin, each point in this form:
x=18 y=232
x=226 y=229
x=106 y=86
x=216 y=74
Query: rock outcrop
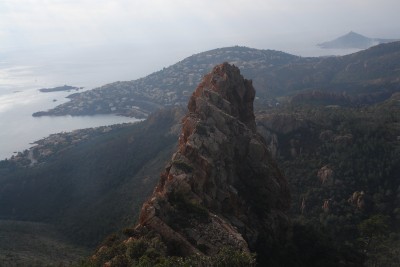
x=221 y=187
x=325 y=175
x=220 y=192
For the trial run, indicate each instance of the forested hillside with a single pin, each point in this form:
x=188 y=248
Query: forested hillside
x=343 y=168
x=89 y=190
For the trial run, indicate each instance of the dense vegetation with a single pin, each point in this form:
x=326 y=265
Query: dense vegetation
x=343 y=167
x=36 y=244
x=150 y=250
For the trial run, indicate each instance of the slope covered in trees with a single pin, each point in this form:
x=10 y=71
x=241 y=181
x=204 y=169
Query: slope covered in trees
x=93 y=188
x=343 y=168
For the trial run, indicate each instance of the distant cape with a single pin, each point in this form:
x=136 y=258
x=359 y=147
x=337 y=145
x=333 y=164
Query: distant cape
x=355 y=41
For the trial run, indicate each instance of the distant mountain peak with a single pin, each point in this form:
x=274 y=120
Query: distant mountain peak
x=352 y=32
x=353 y=40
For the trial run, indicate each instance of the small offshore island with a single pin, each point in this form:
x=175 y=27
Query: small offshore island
x=60 y=88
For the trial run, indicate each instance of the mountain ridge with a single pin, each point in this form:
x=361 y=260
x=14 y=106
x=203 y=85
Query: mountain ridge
x=276 y=75
x=166 y=87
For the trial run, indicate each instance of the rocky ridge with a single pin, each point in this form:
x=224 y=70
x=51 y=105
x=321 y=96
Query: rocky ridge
x=221 y=188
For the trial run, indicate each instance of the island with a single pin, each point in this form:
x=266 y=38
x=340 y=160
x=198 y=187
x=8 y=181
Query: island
x=60 y=88
x=353 y=40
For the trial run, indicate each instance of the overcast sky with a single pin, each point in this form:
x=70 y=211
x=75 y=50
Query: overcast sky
x=203 y=23
x=180 y=28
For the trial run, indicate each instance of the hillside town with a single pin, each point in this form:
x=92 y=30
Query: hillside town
x=170 y=86
x=45 y=148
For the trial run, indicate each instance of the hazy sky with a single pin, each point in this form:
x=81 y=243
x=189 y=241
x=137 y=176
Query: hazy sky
x=205 y=23
x=174 y=29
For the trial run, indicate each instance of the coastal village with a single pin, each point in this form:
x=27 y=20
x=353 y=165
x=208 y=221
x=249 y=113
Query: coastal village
x=49 y=146
x=171 y=86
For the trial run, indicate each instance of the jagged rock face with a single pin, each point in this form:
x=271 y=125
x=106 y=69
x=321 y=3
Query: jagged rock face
x=221 y=187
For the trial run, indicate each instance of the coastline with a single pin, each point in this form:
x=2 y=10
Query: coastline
x=20 y=129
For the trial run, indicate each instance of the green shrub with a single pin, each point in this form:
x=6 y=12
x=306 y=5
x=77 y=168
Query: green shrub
x=229 y=257
x=182 y=165
x=136 y=249
x=129 y=232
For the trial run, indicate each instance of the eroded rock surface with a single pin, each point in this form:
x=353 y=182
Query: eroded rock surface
x=221 y=188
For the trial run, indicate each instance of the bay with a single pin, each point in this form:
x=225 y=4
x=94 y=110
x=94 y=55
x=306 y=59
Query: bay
x=24 y=71
x=18 y=129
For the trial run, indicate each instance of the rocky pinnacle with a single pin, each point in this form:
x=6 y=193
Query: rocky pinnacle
x=221 y=187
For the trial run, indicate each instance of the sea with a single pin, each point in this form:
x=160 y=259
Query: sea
x=23 y=71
